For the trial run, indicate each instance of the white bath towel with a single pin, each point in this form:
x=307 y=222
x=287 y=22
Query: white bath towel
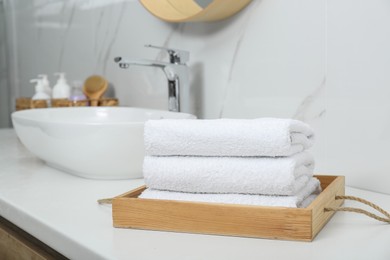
x=255 y=175
x=243 y=199
x=227 y=137
x=307 y=201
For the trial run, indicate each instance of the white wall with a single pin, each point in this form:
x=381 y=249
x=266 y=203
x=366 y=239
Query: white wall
x=325 y=62
x=4 y=84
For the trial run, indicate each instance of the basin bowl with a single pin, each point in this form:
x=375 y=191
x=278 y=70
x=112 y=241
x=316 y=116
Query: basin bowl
x=90 y=142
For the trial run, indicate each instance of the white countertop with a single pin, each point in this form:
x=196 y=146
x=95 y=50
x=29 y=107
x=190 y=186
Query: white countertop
x=61 y=210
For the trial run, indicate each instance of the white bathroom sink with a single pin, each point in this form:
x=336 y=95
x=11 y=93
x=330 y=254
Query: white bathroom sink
x=91 y=142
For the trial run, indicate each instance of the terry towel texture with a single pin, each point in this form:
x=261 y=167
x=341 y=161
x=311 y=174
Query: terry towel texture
x=260 y=162
x=253 y=175
x=295 y=201
x=227 y=137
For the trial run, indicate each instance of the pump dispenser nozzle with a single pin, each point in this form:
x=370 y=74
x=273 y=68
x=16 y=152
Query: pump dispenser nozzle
x=61 y=88
x=46 y=84
x=61 y=76
x=39 y=90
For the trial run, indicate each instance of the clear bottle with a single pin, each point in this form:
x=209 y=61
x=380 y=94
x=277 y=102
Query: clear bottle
x=77 y=92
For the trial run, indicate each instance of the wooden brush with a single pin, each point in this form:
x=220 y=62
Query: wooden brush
x=94 y=88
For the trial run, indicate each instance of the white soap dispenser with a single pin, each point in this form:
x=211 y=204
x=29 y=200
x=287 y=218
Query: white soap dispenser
x=46 y=84
x=39 y=90
x=61 y=89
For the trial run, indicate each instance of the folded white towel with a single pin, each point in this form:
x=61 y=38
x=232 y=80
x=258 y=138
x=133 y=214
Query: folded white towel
x=313 y=187
x=306 y=202
x=227 y=137
x=254 y=175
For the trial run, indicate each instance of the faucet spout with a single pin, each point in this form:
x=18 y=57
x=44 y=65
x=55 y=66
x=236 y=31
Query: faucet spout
x=125 y=64
x=175 y=70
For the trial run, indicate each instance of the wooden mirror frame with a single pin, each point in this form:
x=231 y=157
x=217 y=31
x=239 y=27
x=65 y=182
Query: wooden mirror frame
x=189 y=11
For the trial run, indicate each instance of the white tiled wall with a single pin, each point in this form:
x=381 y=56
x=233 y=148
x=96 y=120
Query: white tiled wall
x=325 y=62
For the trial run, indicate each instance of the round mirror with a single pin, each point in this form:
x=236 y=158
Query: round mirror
x=194 y=11
x=203 y=3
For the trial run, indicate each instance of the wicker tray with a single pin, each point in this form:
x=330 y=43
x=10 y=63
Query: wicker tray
x=227 y=219
x=28 y=103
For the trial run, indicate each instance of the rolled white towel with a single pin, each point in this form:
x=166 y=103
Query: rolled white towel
x=254 y=175
x=227 y=137
x=295 y=201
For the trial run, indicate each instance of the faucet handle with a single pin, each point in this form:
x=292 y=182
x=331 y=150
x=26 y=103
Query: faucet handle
x=175 y=56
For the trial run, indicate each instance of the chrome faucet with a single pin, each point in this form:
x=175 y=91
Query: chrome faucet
x=175 y=70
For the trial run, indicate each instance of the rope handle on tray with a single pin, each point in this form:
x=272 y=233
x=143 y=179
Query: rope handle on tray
x=361 y=211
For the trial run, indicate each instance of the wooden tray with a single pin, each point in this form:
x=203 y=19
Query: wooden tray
x=28 y=103
x=227 y=219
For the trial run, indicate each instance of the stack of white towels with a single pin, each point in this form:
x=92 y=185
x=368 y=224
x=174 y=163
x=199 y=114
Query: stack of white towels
x=237 y=161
